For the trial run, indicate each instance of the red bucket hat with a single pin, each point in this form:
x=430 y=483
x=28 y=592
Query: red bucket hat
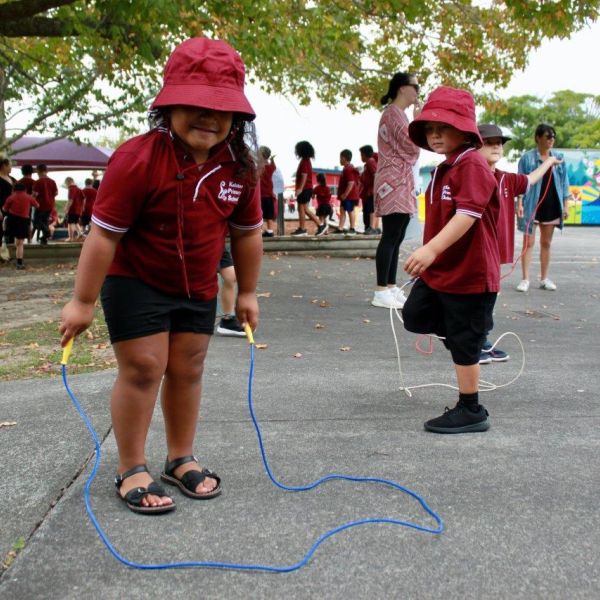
x=446 y=105
x=205 y=73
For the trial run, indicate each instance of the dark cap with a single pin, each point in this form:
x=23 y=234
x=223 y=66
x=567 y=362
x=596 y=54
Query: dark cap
x=488 y=130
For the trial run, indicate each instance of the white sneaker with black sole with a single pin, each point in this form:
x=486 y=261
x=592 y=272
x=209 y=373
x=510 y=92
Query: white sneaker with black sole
x=386 y=299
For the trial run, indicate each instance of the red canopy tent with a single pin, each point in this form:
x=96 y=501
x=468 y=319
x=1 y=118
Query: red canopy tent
x=63 y=155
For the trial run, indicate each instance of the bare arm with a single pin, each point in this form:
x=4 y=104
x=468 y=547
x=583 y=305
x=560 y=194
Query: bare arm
x=300 y=185
x=96 y=257
x=246 y=249
x=348 y=190
x=536 y=175
x=421 y=258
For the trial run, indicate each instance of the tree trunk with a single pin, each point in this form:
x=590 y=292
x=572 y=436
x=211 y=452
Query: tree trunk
x=3 y=149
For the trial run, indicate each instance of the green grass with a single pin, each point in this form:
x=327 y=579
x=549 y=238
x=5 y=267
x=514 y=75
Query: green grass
x=34 y=350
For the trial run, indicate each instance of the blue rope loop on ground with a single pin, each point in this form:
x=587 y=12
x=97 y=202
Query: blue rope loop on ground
x=243 y=566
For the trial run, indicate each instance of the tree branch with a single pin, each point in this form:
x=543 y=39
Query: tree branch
x=36 y=27
x=25 y=9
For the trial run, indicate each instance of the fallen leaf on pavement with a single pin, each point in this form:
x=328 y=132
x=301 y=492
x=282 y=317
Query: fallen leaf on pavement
x=297 y=355
x=261 y=346
x=345 y=348
x=7 y=423
x=319 y=326
x=263 y=295
x=297 y=296
x=366 y=320
x=324 y=304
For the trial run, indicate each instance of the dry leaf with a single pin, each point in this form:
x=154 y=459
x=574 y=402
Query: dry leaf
x=261 y=346
x=297 y=355
x=324 y=304
x=271 y=272
x=314 y=301
x=33 y=345
x=345 y=348
x=319 y=326
x=7 y=423
x=366 y=320
x=297 y=296
x=89 y=335
x=100 y=346
x=264 y=295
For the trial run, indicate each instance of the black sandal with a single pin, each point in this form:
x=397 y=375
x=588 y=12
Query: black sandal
x=133 y=498
x=190 y=480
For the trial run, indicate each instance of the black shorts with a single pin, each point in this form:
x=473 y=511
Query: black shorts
x=324 y=210
x=463 y=319
x=72 y=218
x=17 y=227
x=226 y=259
x=304 y=196
x=85 y=220
x=133 y=309
x=268 y=208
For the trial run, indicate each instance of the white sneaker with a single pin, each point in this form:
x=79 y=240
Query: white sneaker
x=546 y=284
x=523 y=286
x=399 y=295
x=386 y=299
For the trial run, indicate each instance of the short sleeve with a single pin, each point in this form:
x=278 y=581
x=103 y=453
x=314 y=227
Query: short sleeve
x=472 y=187
x=520 y=183
x=247 y=213
x=122 y=193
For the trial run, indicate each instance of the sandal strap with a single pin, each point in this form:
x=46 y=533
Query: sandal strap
x=136 y=495
x=177 y=462
x=119 y=479
x=192 y=479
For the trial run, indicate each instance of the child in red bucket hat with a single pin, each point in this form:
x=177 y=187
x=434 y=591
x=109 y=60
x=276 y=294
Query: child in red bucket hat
x=167 y=201
x=458 y=266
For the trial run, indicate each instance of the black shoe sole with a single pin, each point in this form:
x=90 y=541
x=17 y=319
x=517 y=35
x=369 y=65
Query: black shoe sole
x=473 y=428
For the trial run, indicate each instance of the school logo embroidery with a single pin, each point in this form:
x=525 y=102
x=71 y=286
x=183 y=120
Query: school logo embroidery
x=446 y=194
x=230 y=192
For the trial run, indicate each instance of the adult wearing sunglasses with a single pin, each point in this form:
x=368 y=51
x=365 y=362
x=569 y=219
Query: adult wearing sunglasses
x=544 y=204
x=394 y=185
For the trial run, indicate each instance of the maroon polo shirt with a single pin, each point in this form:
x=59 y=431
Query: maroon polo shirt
x=349 y=173
x=174 y=228
x=89 y=194
x=305 y=166
x=76 y=197
x=510 y=185
x=323 y=194
x=367 y=177
x=464 y=184
x=19 y=204
x=28 y=182
x=45 y=191
x=266 y=181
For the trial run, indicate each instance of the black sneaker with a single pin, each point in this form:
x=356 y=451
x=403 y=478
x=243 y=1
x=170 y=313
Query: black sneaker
x=352 y=231
x=268 y=234
x=299 y=232
x=485 y=358
x=230 y=326
x=460 y=420
x=322 y=229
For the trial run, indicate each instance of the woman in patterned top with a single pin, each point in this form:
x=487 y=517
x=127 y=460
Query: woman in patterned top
x=394 y=186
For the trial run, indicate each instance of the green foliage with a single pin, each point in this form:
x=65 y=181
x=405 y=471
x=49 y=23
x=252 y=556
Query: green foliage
x=575 y=117
x=80 y=66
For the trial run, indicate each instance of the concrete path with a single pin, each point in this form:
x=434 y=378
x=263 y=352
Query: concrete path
x=520 y=502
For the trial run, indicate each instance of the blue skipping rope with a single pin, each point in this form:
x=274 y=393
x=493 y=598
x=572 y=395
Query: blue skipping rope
x=303 y=488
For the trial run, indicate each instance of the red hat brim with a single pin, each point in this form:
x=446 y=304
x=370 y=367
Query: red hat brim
x=204 y=96
x=416 y=129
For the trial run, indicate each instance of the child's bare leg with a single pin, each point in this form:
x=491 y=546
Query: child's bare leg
x=180 y=399
x=311 y=215
x=342 y=218
x=352 y=218
x=142 y=363
x=19 y=248
x=227 y=294
x=301 y=216
x=468 y=378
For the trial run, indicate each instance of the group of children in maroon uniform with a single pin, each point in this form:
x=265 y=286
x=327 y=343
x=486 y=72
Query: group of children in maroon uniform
x=37 y=197
x=155 y=247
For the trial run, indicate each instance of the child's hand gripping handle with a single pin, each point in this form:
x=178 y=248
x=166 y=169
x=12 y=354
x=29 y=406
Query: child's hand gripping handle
x=249 y=334
x=67 y=352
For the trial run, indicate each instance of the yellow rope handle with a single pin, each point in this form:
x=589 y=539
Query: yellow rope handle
x=249 y=334
x=67 y=352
